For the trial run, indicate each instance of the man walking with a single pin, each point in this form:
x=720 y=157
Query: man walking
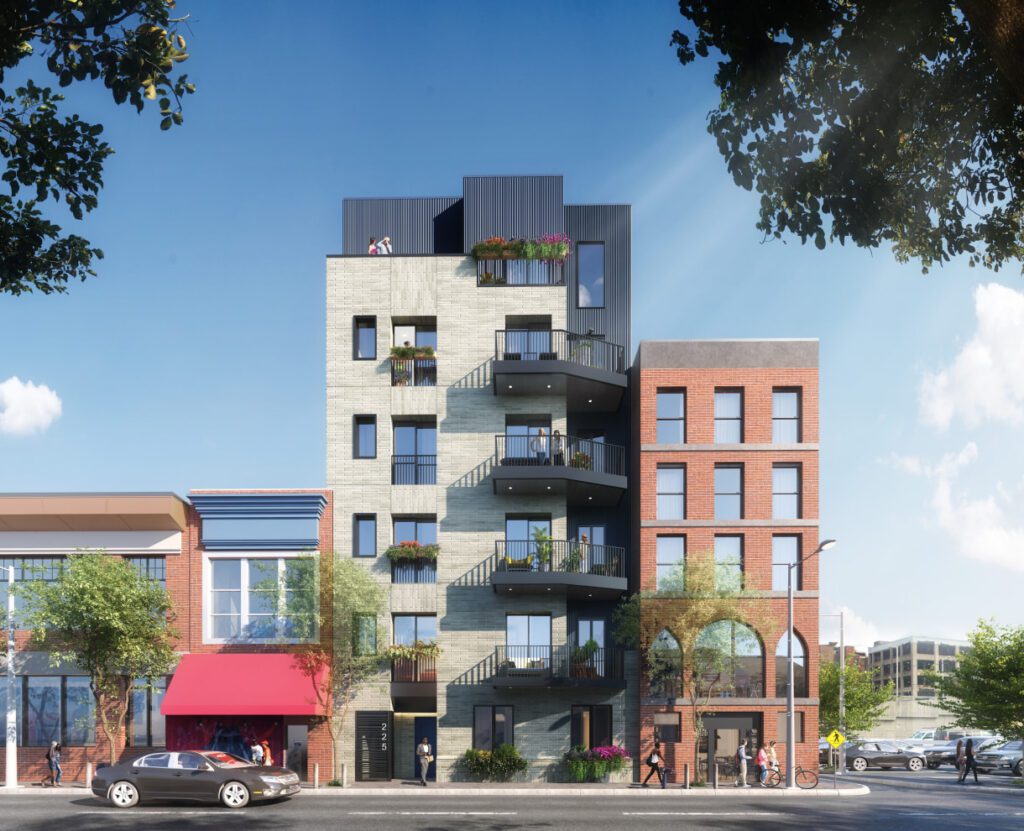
x=425 y=753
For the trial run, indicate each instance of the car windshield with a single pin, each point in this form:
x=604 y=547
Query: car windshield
x=1011 y=745
x=226 y=760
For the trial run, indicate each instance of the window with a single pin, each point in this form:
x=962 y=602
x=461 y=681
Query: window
x=416 y=335
x=18 y=705
x=926 y=647
x=670 y=564
x=147 y=723
x=729 y=661
x=665 y=665
x=947 y=665
x=786 y=416
x=521 y=438
x=365 y=338
x=671 y=417
x=79 y=712
x=415 y=455
x=527 y=540
x=154 y=568
x=423 y=531
x=155 y=760
x=799 y=667
x=52 y=708
x=926 y=665
x=528 y=640
x=591 y=725
x=782 y=732
x=728 y=416
x=728 y=492
x=42 y=709
x=364 y=635
x=27 y=570
x=729 y=563
x=364 y=535
x=365 y=437
x=493 y=727
x=785 y=492
x=671 y=492
x=947 y=649
x=785 y=551
x=590 y=275
x=667 y=727
x=412 y=629
x=262 y=599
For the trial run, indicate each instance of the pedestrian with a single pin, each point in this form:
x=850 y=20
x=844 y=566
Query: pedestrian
x=959 y=756
x=51 y=754
x=426 y=755
x=654 y=765
x=372 y=249
x=256 y=750
x=762 y=765
x=557 y=448
x=268 y=757
x=539 y=445
x=773 y=758
x=384 y=246
x=970 y=765
x=741 y=765
x=56 y=770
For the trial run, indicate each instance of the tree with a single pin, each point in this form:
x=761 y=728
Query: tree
x=711 y=623
x=132 y=45
x=897 y=123
x=986 y=689
x=350 y=606
x=864 y=701
x=108 y=620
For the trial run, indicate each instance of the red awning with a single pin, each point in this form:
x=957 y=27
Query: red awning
x=241 y=684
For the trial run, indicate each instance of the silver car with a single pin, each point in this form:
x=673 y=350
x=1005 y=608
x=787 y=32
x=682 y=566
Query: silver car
x=1005 y=758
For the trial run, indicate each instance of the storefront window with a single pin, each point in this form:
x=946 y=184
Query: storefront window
x=263 y=599
x=43 y=711
x=80 y=715
x=147 y=723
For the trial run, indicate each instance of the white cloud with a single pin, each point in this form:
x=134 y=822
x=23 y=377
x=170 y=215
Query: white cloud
x=26 y=408
x=857 y=631
x=986 y=379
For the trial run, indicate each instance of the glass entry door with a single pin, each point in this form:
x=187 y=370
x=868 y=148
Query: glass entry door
x=528 y=641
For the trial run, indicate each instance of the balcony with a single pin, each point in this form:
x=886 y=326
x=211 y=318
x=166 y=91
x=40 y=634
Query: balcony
x=588 y=371
x=414 y=372
x=414 y=683
x=582 y=570
x=504 y=272
x=584 y=471
x=414 y=470
x=558 y=666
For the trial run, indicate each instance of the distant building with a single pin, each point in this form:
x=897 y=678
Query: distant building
x=829 y=654
x=906 y=661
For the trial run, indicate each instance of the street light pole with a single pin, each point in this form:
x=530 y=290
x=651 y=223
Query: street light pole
x=11 y=759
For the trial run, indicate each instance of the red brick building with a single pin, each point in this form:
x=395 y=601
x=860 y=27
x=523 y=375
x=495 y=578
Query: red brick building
x=725 y=437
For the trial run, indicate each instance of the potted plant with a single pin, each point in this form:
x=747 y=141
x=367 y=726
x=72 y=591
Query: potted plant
x=543 y=545
x=574 y=560
x=596 y=764
x=581 y=460
x=582 y=660
x=412 y=551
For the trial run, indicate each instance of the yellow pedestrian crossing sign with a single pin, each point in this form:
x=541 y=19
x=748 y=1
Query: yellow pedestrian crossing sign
x=835 y=738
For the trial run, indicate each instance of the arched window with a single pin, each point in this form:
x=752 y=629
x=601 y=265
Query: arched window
x=665 y=665
x=799 y=668
x=728 y=661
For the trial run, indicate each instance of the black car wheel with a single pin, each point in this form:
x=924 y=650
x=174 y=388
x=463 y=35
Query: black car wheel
x=860 y=764
x=914 y=764
x=1018 y=768
x=124 y=795
x=933 y=766
x=234 y=795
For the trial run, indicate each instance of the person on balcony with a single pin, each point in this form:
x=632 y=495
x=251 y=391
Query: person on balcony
x=539 y=446
x=372 y=249
x=384 y=246
x=557 y=449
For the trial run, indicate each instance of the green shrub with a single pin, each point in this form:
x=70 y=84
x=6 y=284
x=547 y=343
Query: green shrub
x=497 y=766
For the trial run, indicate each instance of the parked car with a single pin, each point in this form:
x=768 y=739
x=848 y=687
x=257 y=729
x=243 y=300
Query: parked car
x=886 y=755
x=200 y=775
x=1003 y=758
x=945 y=754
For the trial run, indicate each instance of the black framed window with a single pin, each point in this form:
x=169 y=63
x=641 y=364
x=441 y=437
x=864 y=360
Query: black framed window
x=591 y=725
x=786 y=416
x=364 y=535
x=785 y=552
x=670 y=410
x=364 y=338
x=670 y=563
x=667 y=727
x=590 y=275
x=364 y=635
x=413 y=629
x=728 y=416
x=493 y=726
x=414 y=529
x=729 y=562
x=153 y=568
x=728 y=491
x=365 y=444
x=671 y=492
x=786 y=491
x=146 y=723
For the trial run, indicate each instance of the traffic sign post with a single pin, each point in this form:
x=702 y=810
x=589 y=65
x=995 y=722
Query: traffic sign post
x=835 y=740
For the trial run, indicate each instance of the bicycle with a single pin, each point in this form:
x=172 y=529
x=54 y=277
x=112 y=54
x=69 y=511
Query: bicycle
x=805 y=779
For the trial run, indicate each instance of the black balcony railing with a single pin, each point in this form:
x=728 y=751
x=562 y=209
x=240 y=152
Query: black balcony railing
x=414 y=470
x=520 y=273
x=561 y=452
x=566 y=663
x=414 y=372
x=560 y=557
x=413 y=670
x=558 y=345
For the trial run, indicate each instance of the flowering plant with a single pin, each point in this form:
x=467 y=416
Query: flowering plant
x=548 y=247
x=583 y=765
x=412 y=550
x=409 y=652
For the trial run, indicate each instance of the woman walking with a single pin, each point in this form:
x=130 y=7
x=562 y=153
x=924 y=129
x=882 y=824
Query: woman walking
x=959 y=756
x=425 y=753
x=654 y=765
x=970 y=765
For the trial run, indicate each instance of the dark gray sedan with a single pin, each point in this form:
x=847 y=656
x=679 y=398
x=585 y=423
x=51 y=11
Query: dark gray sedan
x=863 y=755
x=201 y=776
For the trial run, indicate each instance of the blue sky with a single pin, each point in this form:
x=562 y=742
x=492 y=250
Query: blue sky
x=196 y=358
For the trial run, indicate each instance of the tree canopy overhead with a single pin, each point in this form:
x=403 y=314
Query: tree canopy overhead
x=132 y=46
x=897 y=123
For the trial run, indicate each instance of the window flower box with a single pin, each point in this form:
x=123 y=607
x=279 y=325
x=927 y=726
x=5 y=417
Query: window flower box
x=412 y=551
x=548 y=247
x=406 y=352
x=410 y=652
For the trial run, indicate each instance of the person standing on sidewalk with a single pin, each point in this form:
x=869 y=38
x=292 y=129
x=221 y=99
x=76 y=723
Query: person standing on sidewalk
x=970 y=765
x=773 y=757
x=742 y=757
x=762 y=765
x=425 y=753
x=654 y=765
x=58 y=772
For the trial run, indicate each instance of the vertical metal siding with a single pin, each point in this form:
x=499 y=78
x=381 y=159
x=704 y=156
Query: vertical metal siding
x=609 y=224
x=427 y=225
x=515 y=207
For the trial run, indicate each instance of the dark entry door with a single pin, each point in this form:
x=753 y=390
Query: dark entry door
x=374 y=740
x=724 y=733
x=425 y=726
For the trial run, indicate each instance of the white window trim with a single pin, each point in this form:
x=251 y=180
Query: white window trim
x=245 y=556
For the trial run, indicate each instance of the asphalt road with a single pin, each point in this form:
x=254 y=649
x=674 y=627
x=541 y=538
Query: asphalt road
x=890 y=806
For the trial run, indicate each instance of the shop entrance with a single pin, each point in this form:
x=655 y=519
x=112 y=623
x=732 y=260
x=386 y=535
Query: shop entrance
x=426 y=727
x=723 y=736
x=298 y=748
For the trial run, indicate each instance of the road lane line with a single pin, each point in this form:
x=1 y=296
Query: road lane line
x=432 y=813
x=703 y=814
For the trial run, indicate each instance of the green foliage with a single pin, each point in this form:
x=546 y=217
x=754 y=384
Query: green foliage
x=542 y=545
x=592 y=765
x=548 y=247
x=626 y=622
x=108 y=620
x=986 y=690
x=133 y=47
x=406 y=352
x=499 y=765
x=408 y=652
x=864 y=703
x=411 y=551
x=877 y=123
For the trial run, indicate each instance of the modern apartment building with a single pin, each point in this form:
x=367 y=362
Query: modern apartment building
x=726 y=472
x=479 y=404
x=904 y=662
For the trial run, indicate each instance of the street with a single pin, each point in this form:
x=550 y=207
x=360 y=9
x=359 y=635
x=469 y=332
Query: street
x=890 y=805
